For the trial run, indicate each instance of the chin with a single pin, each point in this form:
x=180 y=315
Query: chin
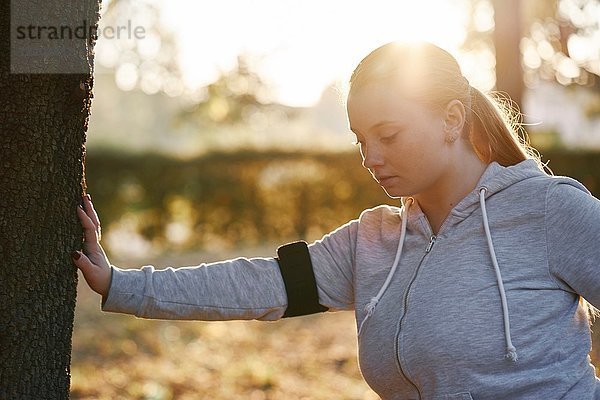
x=394 y=194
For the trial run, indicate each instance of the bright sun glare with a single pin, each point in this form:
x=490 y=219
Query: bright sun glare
x=304 y=46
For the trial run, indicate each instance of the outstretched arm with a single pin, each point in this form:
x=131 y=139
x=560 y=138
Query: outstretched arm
x=241 y=288
x=233 y=289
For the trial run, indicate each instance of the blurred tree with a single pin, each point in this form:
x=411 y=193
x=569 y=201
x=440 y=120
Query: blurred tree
x=43 y=119
x=236 y=104
x=562 y=42
x=534 y=40
x=148 y=62
x=233 y=97
x=507 y=37
x=237 y=96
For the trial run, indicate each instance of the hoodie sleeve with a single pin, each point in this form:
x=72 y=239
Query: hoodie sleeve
x=573 y=234
x=333 y=263
x=240 y=288
x=234 y=289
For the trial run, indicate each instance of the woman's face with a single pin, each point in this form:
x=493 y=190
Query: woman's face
x=403 y=143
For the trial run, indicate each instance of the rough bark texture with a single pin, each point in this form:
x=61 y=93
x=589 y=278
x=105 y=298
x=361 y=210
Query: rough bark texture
x=507 y=39
x=43 y=123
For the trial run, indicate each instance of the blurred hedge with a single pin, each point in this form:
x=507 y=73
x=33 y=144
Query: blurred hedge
x=251 y=198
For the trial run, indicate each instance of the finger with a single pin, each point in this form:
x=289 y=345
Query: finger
x=88 y=207
x=82 y=262
x=91 y=211
x=98 y=278
x=90 y=232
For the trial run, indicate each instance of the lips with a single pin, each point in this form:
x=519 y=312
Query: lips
x=382 y=180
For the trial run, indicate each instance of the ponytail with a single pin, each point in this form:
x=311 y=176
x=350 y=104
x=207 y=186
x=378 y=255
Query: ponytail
x=496 y=133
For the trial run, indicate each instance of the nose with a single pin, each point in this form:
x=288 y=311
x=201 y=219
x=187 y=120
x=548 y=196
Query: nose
x=371 y=157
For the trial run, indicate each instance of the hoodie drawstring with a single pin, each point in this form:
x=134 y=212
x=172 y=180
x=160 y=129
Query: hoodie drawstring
x=370 y=307
x=511 y=351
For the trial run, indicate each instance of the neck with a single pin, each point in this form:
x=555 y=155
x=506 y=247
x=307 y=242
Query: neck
x=460 y=179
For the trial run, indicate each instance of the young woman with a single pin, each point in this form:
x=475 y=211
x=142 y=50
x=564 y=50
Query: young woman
x=477 y=287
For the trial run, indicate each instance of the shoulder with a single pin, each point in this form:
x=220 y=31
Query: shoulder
x=554 y=188
x=380 y=221
x=569 y=198
x=380 y=213
x=567 y=191
x=369 y=220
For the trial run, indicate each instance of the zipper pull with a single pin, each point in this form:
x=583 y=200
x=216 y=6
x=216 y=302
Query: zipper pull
x=431 y=243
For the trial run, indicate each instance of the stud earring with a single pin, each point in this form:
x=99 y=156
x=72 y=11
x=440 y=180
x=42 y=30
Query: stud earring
x=452 y=138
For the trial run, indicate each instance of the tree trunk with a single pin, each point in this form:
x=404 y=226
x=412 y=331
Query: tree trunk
x=507 y=39
x=44 y=110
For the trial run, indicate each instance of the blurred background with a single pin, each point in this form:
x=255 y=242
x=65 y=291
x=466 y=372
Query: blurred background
x=220 y=131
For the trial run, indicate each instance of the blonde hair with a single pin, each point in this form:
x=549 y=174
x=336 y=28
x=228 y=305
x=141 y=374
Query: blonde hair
x=431 y=75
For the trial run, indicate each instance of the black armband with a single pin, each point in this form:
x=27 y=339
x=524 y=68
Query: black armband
x=299 y=280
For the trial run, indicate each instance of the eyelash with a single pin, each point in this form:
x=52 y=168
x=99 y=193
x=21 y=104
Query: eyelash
x=388 y=139
x=384 y=139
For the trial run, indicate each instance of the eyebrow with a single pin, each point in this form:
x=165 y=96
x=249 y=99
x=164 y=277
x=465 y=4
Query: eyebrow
x=377 y=125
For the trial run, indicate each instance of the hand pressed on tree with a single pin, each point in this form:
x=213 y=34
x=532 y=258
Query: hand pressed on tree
x=92 y=262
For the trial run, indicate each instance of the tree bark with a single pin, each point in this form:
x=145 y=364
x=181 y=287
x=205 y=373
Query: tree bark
x=507 y=39
x=43 y=124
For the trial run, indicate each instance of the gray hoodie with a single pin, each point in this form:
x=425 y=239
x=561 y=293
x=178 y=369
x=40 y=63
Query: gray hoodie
x=489 y=308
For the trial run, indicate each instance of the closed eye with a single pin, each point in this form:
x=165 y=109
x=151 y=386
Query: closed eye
x=389 y=138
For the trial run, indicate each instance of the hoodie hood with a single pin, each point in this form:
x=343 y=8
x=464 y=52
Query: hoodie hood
x=494 y=179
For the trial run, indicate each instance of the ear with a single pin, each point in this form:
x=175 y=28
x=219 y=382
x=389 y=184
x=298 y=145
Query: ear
x=454 y=120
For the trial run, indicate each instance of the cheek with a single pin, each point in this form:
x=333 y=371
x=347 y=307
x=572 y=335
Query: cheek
x=429 y=142
x=412 y=147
